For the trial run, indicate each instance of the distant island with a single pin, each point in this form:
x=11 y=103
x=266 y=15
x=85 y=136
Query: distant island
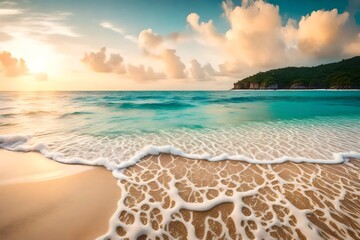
x=341 y=75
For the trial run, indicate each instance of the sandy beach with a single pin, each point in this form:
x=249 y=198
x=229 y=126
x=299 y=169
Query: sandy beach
x=174 y=197
x=186 y=120
x=43 y=199
x=166 y=196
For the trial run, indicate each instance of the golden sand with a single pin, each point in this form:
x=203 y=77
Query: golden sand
x=43 y=199
x=281 y=201
x=166 y=197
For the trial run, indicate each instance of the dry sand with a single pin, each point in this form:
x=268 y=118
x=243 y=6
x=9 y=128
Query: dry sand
x=43 y=199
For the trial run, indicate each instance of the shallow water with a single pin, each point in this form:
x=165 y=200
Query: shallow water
x=116 y=129
x=169 y=196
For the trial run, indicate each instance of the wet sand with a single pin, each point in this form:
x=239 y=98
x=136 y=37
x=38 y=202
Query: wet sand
x=43 y=199
x=170 y=197
x=167 y=197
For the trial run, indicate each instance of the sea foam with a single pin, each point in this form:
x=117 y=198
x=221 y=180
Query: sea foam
x=158 y=203
x=259 y=143
x=118 y=130
x=168 y=196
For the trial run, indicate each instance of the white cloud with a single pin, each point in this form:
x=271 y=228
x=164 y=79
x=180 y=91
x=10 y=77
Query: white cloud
x=10 y=11
x=119 y=30
x=131 y=38
x=110 y=26
x=35 y=24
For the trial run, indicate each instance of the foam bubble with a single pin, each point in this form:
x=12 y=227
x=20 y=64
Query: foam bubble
x=167 y=197
x=260 y=143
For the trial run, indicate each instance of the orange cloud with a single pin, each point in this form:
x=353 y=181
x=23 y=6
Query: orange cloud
x=196 y=71
x=174 y=67
x=206 y=29
x=253 y=37
x=41 y=76
x=139 y=73
x=98 y=62
x=257 y=38
x=148 y=39
x=353 y=48
x=5 y=37
x=323 y=33
x=12 y=67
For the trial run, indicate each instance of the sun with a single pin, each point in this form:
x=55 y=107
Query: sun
x=36 y=65
x=39 y=58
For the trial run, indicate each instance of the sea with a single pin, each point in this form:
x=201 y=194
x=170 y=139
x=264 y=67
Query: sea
x=118 y=128
x=206 y=164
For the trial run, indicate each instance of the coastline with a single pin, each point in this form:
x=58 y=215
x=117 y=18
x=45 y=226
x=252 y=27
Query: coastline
x=298 y=90
x=169 y=197
x=43 y=199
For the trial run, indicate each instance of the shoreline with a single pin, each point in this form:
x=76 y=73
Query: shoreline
x=297 y=90
x=44 y=199
x=170 y=196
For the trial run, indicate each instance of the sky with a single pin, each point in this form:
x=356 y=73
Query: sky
x=167 y=44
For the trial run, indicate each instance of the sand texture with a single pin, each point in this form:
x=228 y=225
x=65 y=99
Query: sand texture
x=42 y=199
x=166 y=197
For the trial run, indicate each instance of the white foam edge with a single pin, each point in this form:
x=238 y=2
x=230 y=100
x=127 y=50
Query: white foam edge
x=17 y=143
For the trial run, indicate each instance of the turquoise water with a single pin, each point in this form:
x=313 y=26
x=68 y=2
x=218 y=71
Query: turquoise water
x=123 y=124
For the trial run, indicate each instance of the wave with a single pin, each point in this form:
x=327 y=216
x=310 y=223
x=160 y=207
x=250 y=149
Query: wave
x=168 y=105
x=286 y=98
x=24 y=143
x=5 y=108
x=38 y=113
x=19 y=143
x=28 y=113
x=7 y=124
x=75 y=114
x=8 y=115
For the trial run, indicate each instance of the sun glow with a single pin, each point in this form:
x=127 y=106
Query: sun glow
x=39 y=58
x=36 y=65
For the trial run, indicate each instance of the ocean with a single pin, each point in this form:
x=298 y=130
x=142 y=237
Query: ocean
x=275 y=164
x=117 y=129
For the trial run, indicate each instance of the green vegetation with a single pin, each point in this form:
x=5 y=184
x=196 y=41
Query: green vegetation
x=340 y=75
